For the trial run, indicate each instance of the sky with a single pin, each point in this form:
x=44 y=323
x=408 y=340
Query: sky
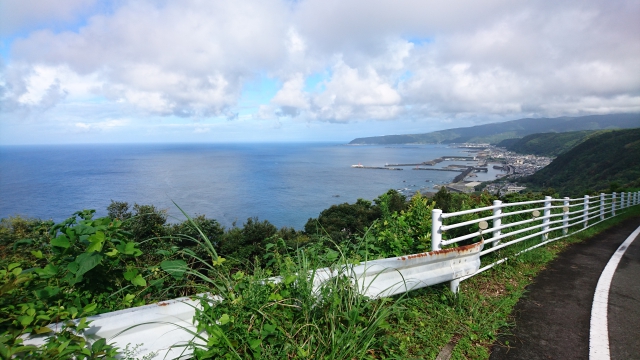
x=111 y=71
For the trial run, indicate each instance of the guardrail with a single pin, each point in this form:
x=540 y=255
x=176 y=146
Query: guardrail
x=512 y=223
x=164 y=328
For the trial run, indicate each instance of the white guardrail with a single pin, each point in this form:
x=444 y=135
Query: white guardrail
x=162 y=328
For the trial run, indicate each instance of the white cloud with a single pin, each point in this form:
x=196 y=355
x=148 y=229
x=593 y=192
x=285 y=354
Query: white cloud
x=291 y=95
x=16 y=15
x=356 y=93
x=406 y=59
x=106 y=125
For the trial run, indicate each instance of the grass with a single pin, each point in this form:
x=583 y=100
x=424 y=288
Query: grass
x=291 y=316
x=430 y=318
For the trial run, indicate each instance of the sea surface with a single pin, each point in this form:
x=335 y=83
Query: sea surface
x=284 y=183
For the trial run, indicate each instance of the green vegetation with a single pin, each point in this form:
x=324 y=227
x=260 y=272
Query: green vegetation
x=549 y=144
x=84 y=266
x=606 y=161
x=496 y=132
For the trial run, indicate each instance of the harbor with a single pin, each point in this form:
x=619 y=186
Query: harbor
x=471 y=170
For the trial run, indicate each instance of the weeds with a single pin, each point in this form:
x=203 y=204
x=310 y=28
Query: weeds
x=299 y=314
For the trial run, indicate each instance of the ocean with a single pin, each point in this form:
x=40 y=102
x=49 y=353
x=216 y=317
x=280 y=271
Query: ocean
x=285 y=184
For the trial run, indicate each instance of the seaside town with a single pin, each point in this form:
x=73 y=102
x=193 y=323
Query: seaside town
x=511 y=165
x=482 y=157
x=516 y=166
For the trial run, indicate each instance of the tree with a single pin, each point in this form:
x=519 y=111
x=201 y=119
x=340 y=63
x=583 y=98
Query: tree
x=118 y=210
x=343 y=220
x=185 y=231
x=249 y=241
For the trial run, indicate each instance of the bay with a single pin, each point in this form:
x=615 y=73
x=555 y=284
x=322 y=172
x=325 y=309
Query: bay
x=283 y=183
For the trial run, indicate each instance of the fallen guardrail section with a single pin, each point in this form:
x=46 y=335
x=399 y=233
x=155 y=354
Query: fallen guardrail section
x=163 y=329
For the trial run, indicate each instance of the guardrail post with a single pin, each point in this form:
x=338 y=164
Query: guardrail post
x=454 y=285
x=497 y=211
x=601 y=206
x=622 y=200
x=546 y=219
x=586 y=210
x=613 y=203
x=629 y=199
x=436 y=229
x=565 y=217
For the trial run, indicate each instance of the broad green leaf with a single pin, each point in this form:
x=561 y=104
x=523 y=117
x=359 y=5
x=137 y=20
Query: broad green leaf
x=16 y=271
x=71 y=234
x=175 y=268
x=224 y=319
x=25 y=320
x=73 y=267
x=86 y=262
x=129 y=275
x=83 y=229
x=99 y=345
x=129 y=248
x=37 y=254
x=61 y=241
x=128 y=298
x=254 y=343
x=268 y=329
x=73 y=311
x=218 y=261
x=96 y=242
x=139 y=281
x=289 y=279
x=12 y=266
x=112 y=253
x=89 y=308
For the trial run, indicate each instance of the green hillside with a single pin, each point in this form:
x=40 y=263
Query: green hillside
x=549 y=144
x=611 y=157
x=496 y=132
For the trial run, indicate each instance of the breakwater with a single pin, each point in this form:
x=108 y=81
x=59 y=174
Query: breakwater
x=437 y=161
x=440 y=169
x=463 y=175
x=374 y=167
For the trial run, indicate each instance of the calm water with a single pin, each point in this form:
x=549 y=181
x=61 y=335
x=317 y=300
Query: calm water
x=283 y=183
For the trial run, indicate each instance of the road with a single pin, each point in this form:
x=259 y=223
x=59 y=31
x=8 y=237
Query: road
x=553 y=318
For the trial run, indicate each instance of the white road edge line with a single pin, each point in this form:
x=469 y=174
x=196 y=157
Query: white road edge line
x=599 y=329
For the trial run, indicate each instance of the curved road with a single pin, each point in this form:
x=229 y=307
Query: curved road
x=553 y=318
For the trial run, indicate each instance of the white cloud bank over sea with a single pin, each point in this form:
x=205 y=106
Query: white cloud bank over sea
x=274 y=70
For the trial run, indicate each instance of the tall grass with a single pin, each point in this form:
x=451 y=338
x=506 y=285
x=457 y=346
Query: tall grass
x=299 y=314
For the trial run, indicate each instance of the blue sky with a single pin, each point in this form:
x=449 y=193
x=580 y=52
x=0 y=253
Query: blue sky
x=88 y=71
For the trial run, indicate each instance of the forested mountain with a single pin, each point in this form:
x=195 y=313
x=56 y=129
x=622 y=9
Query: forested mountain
x=549 y=144
x=610 y=158
x=496 y=132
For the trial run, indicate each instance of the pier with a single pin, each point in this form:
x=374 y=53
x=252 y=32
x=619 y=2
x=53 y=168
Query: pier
x=440 y=169
x=374 y=167
x=463 y=175
x=437 y=161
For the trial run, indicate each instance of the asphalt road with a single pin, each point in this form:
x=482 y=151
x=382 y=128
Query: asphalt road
x=553 y=318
